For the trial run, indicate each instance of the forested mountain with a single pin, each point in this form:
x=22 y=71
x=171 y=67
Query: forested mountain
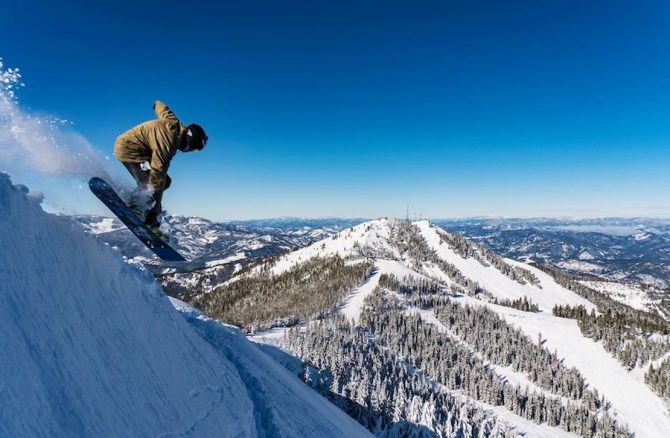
x=416 y=331
x=627 y=259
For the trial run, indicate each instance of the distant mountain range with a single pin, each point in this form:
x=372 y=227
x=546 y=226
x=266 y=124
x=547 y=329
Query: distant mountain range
x=214 y=250
x=630 y=250
x=635 y=251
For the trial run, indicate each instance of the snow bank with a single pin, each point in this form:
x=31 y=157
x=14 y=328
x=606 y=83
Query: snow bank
x=92 y=347
x=628 y=294
x=284 y=405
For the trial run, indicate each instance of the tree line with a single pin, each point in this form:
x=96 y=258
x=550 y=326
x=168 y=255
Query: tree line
x=259 y=299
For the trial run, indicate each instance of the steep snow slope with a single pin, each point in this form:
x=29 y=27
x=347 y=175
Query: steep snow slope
x=92 y=347
x=274 y=391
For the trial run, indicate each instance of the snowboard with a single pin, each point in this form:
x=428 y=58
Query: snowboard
x=111 y=199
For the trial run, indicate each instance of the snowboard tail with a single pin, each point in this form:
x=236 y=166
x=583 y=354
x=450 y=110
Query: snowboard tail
x=111 y=199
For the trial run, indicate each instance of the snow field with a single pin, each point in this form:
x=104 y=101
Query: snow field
x=623 y=293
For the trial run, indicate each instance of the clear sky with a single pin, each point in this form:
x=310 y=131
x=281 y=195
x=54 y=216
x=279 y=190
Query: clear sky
x=359 y=108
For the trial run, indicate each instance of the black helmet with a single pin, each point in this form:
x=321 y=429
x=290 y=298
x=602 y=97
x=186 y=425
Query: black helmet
x=196 y=139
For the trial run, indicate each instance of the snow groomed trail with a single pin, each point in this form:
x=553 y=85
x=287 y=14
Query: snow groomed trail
x=637 y=405
x=91 y=346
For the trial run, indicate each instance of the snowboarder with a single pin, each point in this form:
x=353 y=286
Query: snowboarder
x=146 y=151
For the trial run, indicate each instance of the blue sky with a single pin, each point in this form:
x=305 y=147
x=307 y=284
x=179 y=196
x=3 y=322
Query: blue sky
x=314 y=108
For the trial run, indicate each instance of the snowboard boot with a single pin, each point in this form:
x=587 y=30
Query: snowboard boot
x=136 y=208
x=156 y=229
x=141 y=201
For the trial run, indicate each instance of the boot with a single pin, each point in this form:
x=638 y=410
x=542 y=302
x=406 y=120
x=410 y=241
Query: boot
x=156 y=229
x=136 y=208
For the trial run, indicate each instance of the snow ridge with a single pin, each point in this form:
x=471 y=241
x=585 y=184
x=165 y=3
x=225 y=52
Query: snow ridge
x=93 y=347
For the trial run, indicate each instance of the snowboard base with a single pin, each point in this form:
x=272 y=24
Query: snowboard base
x=111 y=199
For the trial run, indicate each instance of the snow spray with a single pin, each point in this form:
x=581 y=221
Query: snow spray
x=42 y=144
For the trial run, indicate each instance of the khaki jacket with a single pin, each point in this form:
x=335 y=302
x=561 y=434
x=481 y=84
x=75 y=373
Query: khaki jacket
x=155 y=141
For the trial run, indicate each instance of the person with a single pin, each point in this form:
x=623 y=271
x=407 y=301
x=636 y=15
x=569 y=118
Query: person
x=147 y=150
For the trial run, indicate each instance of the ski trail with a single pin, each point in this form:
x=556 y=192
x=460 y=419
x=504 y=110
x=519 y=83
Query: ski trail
x=635 y=403
x=354 y=304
